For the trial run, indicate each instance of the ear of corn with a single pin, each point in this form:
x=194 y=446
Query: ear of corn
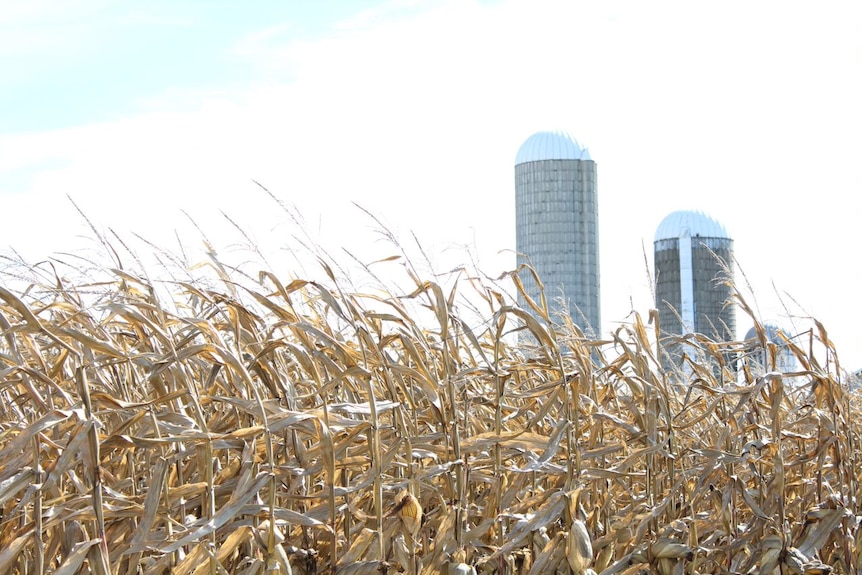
x=579 y=548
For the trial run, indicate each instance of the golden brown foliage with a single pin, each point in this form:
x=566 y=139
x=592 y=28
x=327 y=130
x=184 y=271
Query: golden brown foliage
x=302 y=427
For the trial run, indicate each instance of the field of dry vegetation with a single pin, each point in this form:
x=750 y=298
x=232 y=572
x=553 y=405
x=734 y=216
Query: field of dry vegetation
x=275 y=423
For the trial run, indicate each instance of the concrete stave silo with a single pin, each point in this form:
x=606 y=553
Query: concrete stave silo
x=557 y=224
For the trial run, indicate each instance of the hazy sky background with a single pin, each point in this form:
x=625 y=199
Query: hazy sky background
x=749 y=111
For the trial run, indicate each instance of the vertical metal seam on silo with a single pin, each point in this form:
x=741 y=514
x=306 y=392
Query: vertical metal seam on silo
x=686 y=282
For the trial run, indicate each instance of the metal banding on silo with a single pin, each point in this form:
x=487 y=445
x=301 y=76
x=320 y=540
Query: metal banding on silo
x=557 y=224
x=693 y=255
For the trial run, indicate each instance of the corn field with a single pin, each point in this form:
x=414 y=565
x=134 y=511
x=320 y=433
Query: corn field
x=298 y=425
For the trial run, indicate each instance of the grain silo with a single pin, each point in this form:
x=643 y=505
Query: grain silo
x=693 y=257
x=557 y=223
x=768 y=349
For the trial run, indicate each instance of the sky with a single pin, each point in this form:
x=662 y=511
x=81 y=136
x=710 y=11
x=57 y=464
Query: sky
x=155 y=120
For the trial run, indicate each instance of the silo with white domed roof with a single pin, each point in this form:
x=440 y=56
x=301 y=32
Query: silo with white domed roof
x=693 y=260
x=557 y=224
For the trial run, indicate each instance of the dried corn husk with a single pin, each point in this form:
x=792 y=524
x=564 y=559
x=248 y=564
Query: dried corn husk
x=579 y=548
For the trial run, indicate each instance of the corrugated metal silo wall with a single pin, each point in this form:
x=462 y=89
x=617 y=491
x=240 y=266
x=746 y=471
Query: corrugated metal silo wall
x=667 y=289
x=557 y=228
x=713 y=316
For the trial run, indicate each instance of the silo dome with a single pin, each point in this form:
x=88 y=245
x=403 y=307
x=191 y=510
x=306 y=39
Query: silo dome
x=555 y=145
x=773 y=333
x=696 y=222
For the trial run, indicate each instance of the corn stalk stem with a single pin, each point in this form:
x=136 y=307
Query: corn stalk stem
x=102 y=563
